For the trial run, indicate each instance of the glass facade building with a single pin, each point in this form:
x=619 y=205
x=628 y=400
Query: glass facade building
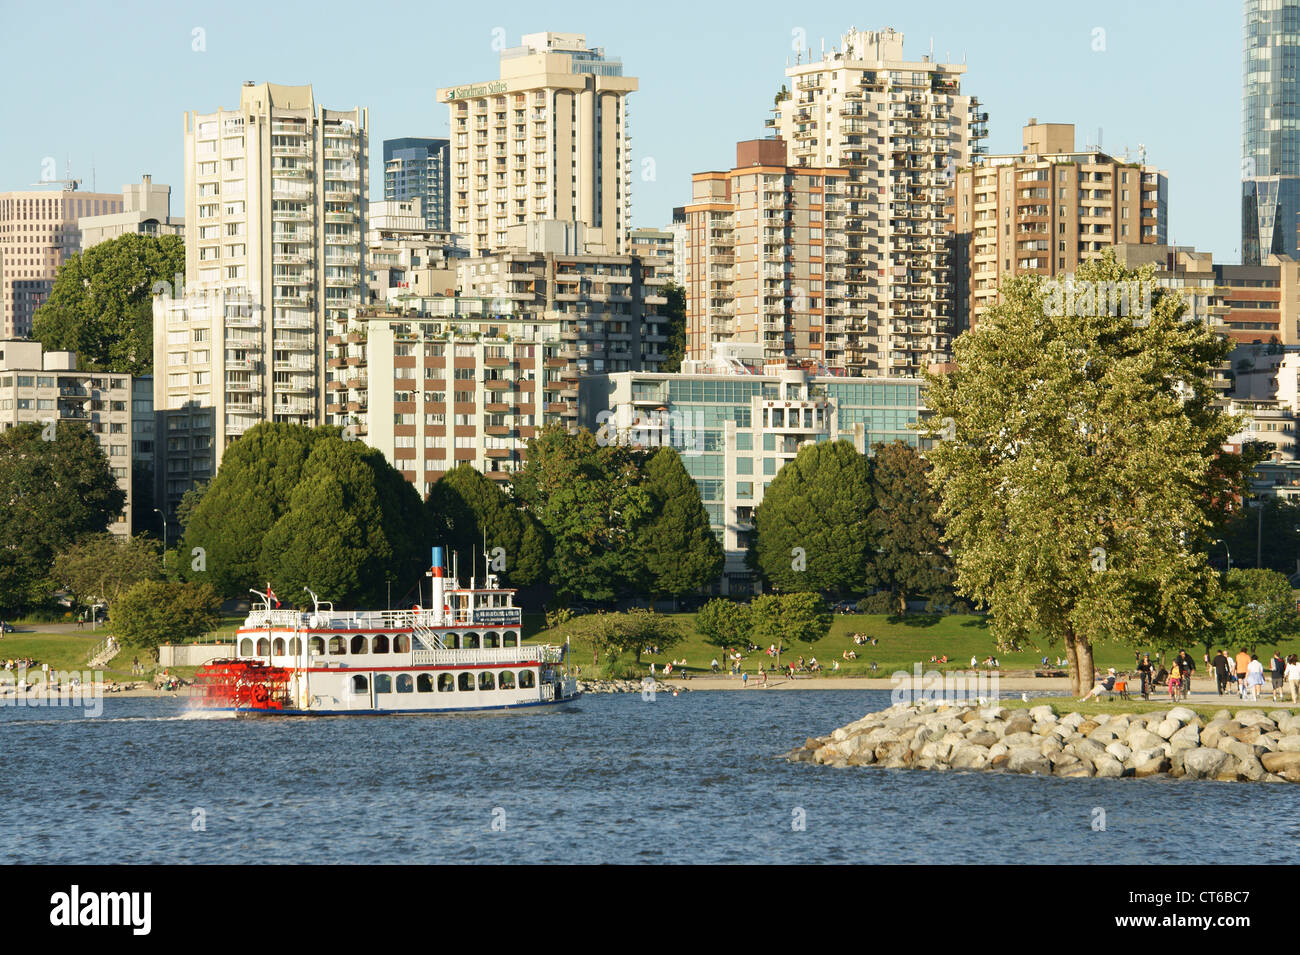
x=419 y=167
x=1270 y=167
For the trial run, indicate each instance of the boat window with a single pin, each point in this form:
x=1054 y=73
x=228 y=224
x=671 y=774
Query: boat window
x=446 y=683
x=465 y=681
x=338 y=646
x=316 y=646
x=451 y=641
x=246 y=647
x=263 y=647
x=379 y=644
x=506 y=680
x=360 y=643
x=469 y=642
x=486 y=681
x=295 y=646
x=491 y=639
x=424 y=683
x=277 y=646
x=511 y=639
x=405 y=684
x=383 y=683
x=527 y=679
x=359 y=684
x=401 y=643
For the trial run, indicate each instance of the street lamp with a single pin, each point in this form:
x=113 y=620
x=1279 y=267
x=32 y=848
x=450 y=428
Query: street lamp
x=164 y=520
x=1227 y=551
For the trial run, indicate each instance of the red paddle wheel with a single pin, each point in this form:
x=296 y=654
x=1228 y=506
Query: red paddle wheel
x=242 y=685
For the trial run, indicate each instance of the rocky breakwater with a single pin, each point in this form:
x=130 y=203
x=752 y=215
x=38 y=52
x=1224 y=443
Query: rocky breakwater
x=1251 y=745
x=628 y=686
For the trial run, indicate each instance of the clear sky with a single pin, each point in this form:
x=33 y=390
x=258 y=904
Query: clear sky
x=106 y=84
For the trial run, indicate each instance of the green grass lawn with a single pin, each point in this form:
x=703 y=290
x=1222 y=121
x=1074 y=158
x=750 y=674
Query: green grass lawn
x=901 y=642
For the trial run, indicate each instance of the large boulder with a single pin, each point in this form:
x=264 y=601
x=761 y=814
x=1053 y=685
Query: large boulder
x=970 y=757
x=1183 y=715
x=1289 y=744
x=986 y=739
x=1286 y=765
x=1014 y=740
x=1040 y=713
x=1107 y=766
x=1027 y=759
x=1203 y=763
x=1020 y=723
x=1168 y=728
x=1186 y=738
x=1139 y=739
x=1151 y=767
x=1119 y=751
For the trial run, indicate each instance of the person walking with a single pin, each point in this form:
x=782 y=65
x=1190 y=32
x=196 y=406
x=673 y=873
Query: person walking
x=1243 y=661
x=1146 y=672
x=1277 y=674
x=1254 y=676
x=1220 y=666
x=1293 y=675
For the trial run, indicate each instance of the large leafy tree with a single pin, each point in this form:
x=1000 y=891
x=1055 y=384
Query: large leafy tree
x=1257 y=608
x=723 y=623
x=910 y=557
x=104 y=566
x=154 y=612
x=471 y=510
x=678 y=547
x=243 y=501
x=590 y=500
x=101 y=303
x=781 y=618
x=353 y=523
x=51 y=493
x=812 y=531
x=1080 y=466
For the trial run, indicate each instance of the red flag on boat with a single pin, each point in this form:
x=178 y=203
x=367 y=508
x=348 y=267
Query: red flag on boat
x=270 y=594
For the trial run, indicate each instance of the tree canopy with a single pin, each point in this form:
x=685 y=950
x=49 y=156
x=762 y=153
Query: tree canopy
x=812 y=530
x=154 y=612
x=466 y=507
x=910 y=558
x=784 y=618
x=678 y=548
x=724 y=623
x=104 y=566
x=1257 y=608
x=51 y=493
x=1080 y=464
x=101 y=304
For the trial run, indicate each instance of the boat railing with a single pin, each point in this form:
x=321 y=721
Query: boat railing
x=384 y=619
x=490 y=655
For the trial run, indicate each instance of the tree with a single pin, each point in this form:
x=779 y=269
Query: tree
x=589 y=499
x=724 y=623
x=101 y=303
x=778 y=617
x=352 y=523
x=469 y=508
x=51 y=492
x=675 y=310
x=1257 y=609
x=678 y=547
x=243 y=501
x=189 y=502
x=1080 y=463
x=154 y=612
x=812 y=531
x=910 y=557
x=637 y=629
x=1269 y=528
x=104 y=566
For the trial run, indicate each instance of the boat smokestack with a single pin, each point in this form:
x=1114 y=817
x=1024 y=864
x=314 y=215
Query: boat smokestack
x=439 y=585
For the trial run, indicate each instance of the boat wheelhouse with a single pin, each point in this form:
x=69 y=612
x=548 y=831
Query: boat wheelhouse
x=463 y=652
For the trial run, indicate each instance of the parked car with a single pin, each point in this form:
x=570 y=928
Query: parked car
x=6 y=628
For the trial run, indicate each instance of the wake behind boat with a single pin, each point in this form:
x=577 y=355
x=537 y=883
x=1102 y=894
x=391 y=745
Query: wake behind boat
x=464 y=653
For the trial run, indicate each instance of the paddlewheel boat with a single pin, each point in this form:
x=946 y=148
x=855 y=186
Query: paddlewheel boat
x=463 y=653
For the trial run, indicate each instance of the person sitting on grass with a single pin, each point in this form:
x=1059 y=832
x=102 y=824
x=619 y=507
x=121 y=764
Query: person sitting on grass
x=1104 y=685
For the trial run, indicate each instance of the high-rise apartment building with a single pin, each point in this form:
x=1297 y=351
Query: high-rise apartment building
x=417 y=169
x=1045 y=210
x=655 y=246
x=404 y=259
x=765 y=257
x=1270 y=130
x=275 y=202
x=901 y=128
x=547 y=140
x=146 y=210
x=38 y=231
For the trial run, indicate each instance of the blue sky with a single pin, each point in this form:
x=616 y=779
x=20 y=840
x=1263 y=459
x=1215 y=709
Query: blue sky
x=111 y=82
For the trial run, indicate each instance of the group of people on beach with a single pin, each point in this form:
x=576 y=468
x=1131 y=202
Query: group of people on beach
x=20 y=663
x=1244 y=671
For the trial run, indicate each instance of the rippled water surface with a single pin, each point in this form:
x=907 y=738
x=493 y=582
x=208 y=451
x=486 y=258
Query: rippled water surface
x=616 y=779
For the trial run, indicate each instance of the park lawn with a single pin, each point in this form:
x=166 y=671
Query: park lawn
x=902 y=642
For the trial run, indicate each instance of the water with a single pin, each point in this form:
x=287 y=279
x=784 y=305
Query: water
x=618 y=779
